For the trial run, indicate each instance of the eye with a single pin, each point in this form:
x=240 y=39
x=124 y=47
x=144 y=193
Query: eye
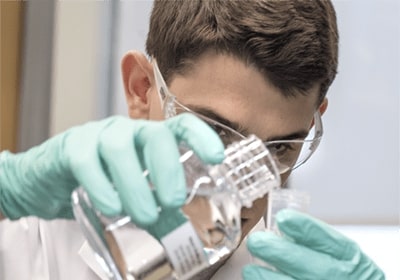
x=219 y=130
x=227 y=137
x=285 y=152
x=280 y=149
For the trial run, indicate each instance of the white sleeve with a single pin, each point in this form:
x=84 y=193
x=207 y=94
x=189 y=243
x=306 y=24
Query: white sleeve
x=35 y=249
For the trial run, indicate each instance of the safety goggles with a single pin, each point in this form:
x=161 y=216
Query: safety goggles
x=288 y=154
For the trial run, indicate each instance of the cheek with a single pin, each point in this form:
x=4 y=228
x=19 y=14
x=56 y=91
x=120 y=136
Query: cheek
x=155 y=108
x=253 y=215
x=156 y=114
x=284 y=178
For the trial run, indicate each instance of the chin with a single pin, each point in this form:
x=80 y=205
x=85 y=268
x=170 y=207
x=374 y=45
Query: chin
x=251 y=216
x=247 y=225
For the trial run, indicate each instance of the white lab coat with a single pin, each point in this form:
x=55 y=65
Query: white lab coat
x=35 y=249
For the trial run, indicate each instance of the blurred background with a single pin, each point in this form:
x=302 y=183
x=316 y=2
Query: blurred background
x=60 y=67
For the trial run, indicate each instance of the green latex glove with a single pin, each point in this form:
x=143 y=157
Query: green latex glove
x=107 y=158
x=309 y=249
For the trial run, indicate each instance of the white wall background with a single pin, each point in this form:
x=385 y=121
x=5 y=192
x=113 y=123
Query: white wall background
x=81 y=63
x=354 y=176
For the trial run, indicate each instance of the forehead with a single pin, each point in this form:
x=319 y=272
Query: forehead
x=241 y=94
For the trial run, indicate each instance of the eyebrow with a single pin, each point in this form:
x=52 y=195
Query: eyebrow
x=217 y=117
x=301 y=134
x=298 y=135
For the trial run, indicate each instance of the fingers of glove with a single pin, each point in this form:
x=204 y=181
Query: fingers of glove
x=199 y=136
x=255 y=272
x=295 y=260
x=315 y=234
x=159 y=150
x=118 y=150
x=81 y=148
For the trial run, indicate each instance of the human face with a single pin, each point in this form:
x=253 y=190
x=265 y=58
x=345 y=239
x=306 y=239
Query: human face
x=224 y=88
x=288 y=154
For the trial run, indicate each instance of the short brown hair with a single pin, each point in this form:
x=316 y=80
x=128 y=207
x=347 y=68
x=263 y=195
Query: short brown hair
x=294 y=43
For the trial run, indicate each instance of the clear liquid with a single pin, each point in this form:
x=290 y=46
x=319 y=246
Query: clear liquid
x=216 y=219
x=213 y=208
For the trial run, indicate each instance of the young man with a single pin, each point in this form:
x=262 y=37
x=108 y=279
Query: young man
x=252 y=67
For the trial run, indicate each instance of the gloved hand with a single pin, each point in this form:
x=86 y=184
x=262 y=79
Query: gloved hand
x=107 y=158
x=309 y=249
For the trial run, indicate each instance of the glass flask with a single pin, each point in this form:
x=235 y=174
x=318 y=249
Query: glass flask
x=206 y=229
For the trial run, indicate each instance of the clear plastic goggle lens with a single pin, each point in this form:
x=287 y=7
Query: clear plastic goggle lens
x=288 y=154
x=225 y=133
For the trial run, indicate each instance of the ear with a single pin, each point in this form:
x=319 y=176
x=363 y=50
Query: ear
x=137 y=75
x=324 y=105
x=322 y=108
